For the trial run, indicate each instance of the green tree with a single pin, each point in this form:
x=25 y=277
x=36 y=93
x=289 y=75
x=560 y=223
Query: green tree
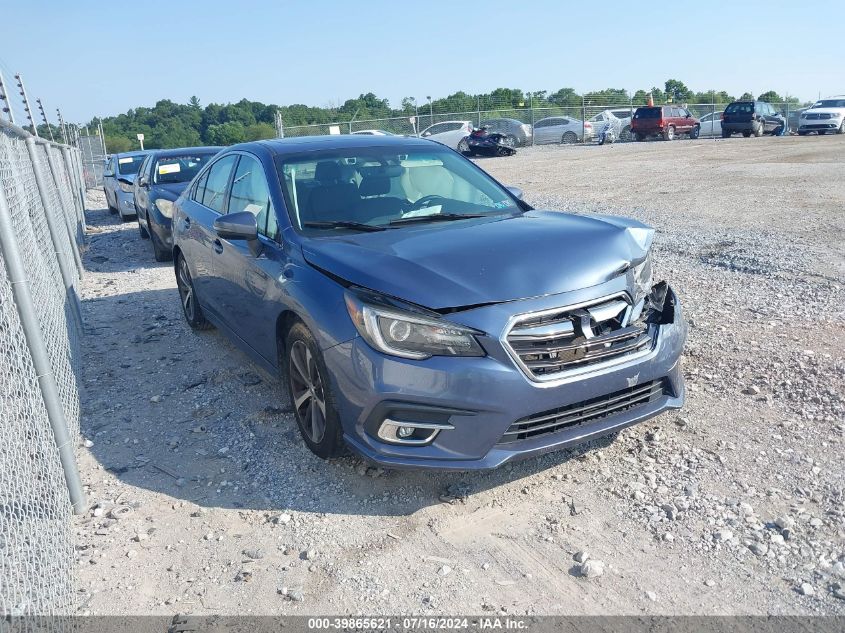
x=677 y=91
x=227 y=133
x=259 y=131
x=194 y=103
x=771 y=96
x=747 y=96
x=117 y=144
x=565 y=97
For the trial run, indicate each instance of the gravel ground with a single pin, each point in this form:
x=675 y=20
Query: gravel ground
x=204 y=500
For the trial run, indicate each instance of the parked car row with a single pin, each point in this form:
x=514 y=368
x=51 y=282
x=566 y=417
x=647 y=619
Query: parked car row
x=749 y=118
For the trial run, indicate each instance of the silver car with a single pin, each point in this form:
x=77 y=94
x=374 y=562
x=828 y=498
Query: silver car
x=118 y=180
x=711 y=124
x=561 y=129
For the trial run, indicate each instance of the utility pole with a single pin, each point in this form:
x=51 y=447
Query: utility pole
x=430 y=111
x=6 y=105
x=26 y=104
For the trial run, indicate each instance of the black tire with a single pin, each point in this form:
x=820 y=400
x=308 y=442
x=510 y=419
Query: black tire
x=311 y=396
x=746 y=134
x=696 y=132
x=463 y=147
x=726 y=134
x=112 y=209
x=159 y=251
x=841 y=128
x=760 y=129
x=802 y=133
x=639 y=137
x=191 y=309
x=625 y=134
x=569 y=138
x=144 y=234
x=669 y=133
x=822 y=132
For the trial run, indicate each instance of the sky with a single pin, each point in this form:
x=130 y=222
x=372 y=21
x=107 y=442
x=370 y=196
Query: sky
x=103 y=58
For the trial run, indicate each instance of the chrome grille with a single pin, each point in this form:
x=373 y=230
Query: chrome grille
x=577 y=339
x=817 y=115
x=581 y=413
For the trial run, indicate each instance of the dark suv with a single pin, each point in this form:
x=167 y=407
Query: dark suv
x=666 y=121
x=751 y=117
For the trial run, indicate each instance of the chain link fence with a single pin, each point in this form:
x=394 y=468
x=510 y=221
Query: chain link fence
x=93 y=153
x=41 y=232
x=534 y=122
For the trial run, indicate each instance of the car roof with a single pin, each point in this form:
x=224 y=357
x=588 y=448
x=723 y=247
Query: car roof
x=140 y=152
x=334 y=141
x=178 y=151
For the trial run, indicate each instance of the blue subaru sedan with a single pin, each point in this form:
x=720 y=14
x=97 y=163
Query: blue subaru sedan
x=420 y=312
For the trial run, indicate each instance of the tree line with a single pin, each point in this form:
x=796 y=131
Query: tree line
x=169 y=124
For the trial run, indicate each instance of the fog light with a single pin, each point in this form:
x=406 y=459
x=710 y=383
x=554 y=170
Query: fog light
x=410 y=432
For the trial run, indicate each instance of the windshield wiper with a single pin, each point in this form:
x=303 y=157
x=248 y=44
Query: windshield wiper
x=439 y=217
x=342 y=224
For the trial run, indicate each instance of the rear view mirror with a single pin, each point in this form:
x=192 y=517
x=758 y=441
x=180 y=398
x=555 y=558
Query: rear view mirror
x=237 y=226
x=516 y=192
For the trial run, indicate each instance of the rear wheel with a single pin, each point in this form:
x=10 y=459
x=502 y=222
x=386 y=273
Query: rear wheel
x=669 y=133
x=310 y=394
x=639 y=137
x=841 y=129
x=190 y=307
x=569 y=138
x=463 y=147
x=822 y=132
x=625 y=135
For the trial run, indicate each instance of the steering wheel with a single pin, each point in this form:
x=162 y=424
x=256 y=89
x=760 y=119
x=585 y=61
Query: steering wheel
x=426 y=201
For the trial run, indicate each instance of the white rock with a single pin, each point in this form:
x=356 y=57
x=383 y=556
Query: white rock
x=592 y=568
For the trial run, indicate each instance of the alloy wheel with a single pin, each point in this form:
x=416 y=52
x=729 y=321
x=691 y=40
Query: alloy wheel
x=309 y=400
x=186 y=289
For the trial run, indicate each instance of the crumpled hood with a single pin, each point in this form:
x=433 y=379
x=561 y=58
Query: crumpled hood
x=471 y=262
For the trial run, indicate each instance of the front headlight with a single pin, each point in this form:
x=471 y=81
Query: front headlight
x=125 y=187
x=641 y=279
x=165 y=207
x=408 y=334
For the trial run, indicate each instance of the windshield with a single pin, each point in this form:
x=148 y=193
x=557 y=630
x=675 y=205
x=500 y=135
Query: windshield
x=128 y=165
x=744 y=107
x=362 y=188
x=830 y=103
x=647 y=113
x=182 y=168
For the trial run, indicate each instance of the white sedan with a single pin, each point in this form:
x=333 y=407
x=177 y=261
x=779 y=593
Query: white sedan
x=711 y=124
x=449 y=133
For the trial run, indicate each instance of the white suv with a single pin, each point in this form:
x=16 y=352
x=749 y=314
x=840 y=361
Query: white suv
x=827 y=115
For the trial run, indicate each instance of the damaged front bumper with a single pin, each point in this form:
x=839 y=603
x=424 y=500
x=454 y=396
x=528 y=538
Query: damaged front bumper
x=488 y=410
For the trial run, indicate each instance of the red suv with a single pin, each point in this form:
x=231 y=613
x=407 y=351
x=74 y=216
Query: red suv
x=667 y=121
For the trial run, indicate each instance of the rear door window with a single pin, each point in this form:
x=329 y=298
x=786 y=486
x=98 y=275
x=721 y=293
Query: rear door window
x=214 y=196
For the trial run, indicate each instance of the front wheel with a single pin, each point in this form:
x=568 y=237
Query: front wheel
x=802 y=133
x=695 y=133
x=144 y=234
x=746 y=134
x=639 y=137
x=625 y=135
x=569 y=138
x=159 y=251
x=188 y=297
x=758 y=132
x=726 y=134
x=841 y=129
x=310 y=394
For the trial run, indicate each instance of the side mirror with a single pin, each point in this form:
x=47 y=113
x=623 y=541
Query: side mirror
x=516 y=192
x=424 y=134
x=237 y=226
x=142 y=181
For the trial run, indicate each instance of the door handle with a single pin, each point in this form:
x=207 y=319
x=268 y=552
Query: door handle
x=186 y=223
x=218 y=246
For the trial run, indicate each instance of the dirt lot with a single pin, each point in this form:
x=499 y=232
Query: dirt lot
x=204 y=499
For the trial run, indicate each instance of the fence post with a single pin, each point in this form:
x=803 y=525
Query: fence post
x=71 y=231
x=67 y=274
x=531 y=103
x=40 y=358
x=583 y=120
x=79 y=201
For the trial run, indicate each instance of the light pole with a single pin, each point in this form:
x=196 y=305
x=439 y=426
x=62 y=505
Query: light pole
x=430 y=110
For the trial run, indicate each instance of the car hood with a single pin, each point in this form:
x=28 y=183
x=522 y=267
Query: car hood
x=834 y=111
x=170 y=191
x=472 y=262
